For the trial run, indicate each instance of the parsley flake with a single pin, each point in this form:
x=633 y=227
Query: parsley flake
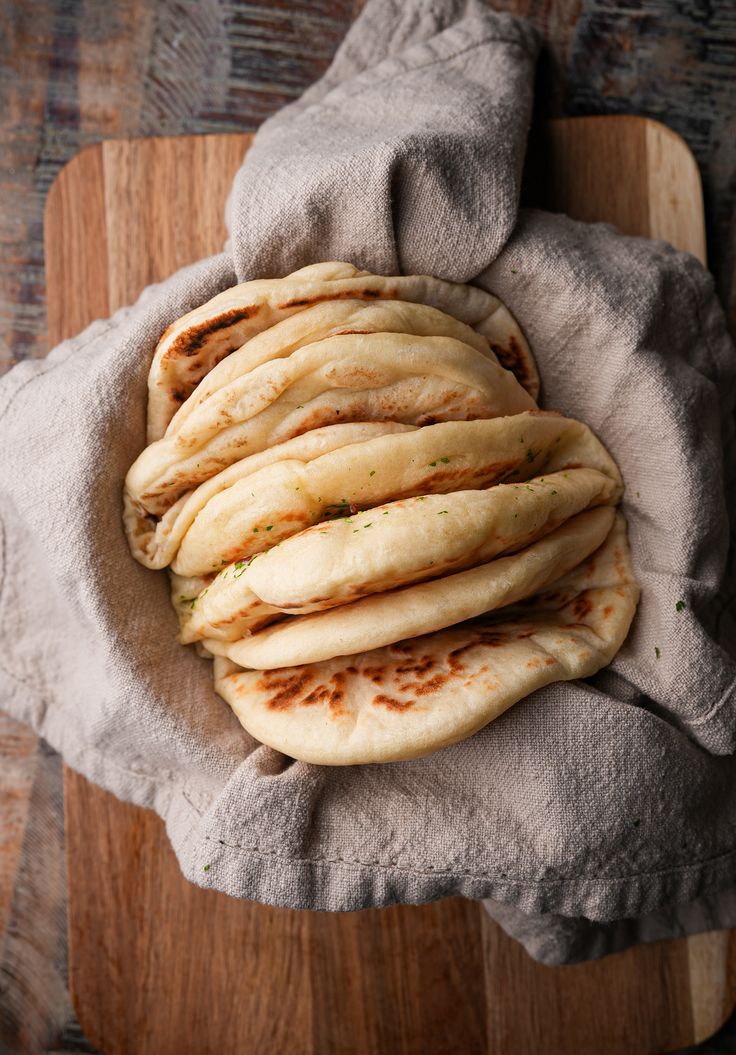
x=368 y=524
x=657 y=653
x=514 y=271
x=530 y=455
x=679 y=606
x=372 y=472
x=206 y=868
x=441 y=511
x=432 y=464
x=269 y=527
x=445 y=460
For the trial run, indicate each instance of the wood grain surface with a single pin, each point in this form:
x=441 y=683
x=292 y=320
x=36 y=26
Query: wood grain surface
x=160 y=966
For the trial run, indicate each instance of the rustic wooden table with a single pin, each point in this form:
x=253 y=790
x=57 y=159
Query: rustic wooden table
x=78 y=71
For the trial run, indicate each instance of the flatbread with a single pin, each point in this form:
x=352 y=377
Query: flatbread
x=349 y=377
x=328 y=319
x=194 y=344
x=155 y=543
x=385 y=618
x=341 y=561
x=254 y=513
x=414 y=697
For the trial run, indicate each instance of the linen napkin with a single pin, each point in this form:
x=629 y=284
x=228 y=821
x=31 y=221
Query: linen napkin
x=589 y=803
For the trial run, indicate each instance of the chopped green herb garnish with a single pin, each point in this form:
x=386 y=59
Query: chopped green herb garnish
x=657 y=653
x=530 y=488
x=223 y=562
x=240 y=568
x=514 y=271
x=432 y=464
x=206 y=868
x=255 y=531
x=300 y=406
x=445 y=460
x=638 y=495
x=420 y=498
x=372 y=472
x=368 y=524
x=269 y=527
x=530 y=455
x=554 y=492
x=441 y=511
x=679 y=606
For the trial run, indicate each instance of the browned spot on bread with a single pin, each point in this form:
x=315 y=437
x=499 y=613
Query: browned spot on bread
x=534 y=663
x=404 y=648
x=193 y=339
x=590 y=568
x=392 y=704
x=283 y=691
x=487 y=637
x=344 y=294
x=351 y=670
x=482 y=474
x=607 y=611
x=619 y=562
x=424 y=688
x=550 y=661
x=582 y=606
x=420 y=669
x=332 y=694
x=374 y=674
x=342 y=333
x=178 y=394
x=512 y=358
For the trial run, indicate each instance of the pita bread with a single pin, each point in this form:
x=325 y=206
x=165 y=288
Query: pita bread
x=411 y=698
x=194 y=344
x=341 y=561
x=350 y=377
x=385 y=618
x=287 y=496
x=155 y=543
x=328 y=319
x=185 y=594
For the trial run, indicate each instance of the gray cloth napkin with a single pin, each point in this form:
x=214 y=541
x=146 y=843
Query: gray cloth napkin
x=591 y=802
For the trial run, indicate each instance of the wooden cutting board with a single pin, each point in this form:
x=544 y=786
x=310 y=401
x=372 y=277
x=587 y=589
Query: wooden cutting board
x=160 y=967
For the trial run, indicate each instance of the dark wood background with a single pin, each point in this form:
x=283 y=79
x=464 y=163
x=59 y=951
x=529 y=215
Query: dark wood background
x=74 y=72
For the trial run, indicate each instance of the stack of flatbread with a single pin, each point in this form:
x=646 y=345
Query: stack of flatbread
x=368 y=522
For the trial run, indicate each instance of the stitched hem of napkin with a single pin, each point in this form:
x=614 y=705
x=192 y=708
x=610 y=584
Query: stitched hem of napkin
x=502 y=877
